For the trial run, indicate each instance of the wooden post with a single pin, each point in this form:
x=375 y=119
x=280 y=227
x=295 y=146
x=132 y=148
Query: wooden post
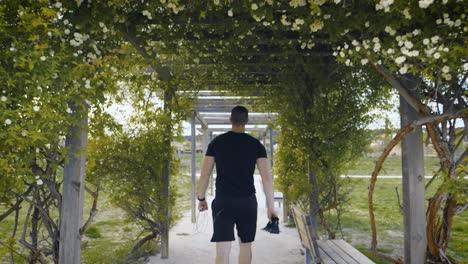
x=165 y=186
x=71 y=212
x=193 y=167
x=271 y=146
x=413 y=188
x=211 y=175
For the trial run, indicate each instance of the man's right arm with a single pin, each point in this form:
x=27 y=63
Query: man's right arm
x=207 y=168
x=267 y=181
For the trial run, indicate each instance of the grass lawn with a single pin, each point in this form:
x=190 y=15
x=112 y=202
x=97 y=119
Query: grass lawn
x=391 y=166
x=389 y=220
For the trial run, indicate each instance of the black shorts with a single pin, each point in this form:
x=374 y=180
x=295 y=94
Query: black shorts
x=238 y=211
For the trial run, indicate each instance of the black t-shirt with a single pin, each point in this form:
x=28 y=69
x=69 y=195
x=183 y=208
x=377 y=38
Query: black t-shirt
x=235 y=155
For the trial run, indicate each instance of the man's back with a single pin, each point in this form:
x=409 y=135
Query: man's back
x=235 y=157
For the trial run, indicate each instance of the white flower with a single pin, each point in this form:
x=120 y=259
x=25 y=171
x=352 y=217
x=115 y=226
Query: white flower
x=406 y=13
x=364 y=61
x=437 y=55
x=400 y=59
x=337 y=1
x=376 y=40
x=8 y=121
x=377 y=47
x=416 y=32
x=444 y=2
x=39 y=182
x=348 y=62
x=230 y=12
x=297 y=3
x=367 y=24
x=408 y=44
x=403 y=69
x=439 y=21
x=66 y=31
x=284 y=20
x=425 y=3
x=335 y=53
x=147 y=14
x=58 y=5
x=447 y=76
x=4 y=99
x=445 y=69
x=465 y=66
x=390 y=30
x=254 y=6
x=426 y=41
x=390 y=51
x=316 y=26
x=69 y=111
x=435 y=39
x=358 y=48
x=414 y=53
x=24 y=133
x=36 y=108
x=65 y=22
x=384 y=4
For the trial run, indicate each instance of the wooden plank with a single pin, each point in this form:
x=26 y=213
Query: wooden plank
x=326 y=259
x=352 y=252
x=300 y=226
x=330 y=252
x=340 y=252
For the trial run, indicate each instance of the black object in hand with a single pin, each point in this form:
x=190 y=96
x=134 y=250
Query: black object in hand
x=272 y=226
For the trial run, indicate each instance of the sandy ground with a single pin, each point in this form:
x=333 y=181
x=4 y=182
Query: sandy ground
x=190 y=243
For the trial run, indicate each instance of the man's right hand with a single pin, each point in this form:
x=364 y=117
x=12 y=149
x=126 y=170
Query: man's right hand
x=272 y=212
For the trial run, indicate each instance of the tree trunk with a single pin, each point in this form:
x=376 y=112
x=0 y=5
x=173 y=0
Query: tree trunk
x=71 y=212
x=313 y=198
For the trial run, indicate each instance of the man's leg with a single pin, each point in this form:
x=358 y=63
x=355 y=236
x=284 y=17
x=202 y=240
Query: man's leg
x=245 y=253
x=222 y=252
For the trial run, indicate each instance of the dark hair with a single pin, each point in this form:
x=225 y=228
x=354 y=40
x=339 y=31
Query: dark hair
x=239 y=115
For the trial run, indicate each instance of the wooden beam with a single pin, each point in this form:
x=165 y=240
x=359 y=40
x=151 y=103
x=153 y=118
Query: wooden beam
x=415 y=241
x=71 y=212
x=193 y=167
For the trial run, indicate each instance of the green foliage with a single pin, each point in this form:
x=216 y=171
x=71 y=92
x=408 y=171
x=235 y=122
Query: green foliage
x=93 y=232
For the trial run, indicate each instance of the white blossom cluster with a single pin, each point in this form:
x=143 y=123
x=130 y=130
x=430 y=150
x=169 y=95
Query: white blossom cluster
x=316 y=26
x=402 y=50
x=384 y=4
x=298 y=22
x=425 y=3
x=297 y=3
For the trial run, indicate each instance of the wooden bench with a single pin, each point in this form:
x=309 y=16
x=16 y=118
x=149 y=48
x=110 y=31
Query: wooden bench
x=324 y=251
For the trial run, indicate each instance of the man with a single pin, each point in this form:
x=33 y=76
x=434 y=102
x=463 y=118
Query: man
x=235 y=154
